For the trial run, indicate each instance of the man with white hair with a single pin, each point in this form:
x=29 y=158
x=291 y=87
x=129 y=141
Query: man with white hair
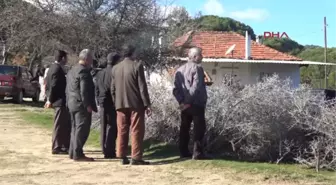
x=190 y=92
x=81 y=103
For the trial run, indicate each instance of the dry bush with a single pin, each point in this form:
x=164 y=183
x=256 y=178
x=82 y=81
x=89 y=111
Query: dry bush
x=269 y=121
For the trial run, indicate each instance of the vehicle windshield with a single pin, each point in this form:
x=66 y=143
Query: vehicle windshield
x=8 y=70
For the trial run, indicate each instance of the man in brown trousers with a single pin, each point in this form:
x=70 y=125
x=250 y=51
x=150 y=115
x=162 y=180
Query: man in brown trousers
x=130 y=94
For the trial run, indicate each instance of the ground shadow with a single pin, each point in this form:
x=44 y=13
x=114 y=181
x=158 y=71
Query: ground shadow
x=93 y=151
x=34 y=104
x=101 y=159
x=39 y=104
x=161 y=153
x=169 y=161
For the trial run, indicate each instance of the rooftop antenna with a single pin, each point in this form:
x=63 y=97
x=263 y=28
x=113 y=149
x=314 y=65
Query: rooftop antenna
x=230 y=50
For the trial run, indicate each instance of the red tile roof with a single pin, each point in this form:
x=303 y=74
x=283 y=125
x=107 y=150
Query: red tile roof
x=215 y=44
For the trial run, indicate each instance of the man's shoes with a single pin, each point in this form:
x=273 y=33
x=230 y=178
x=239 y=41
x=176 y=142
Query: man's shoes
x=125 y=161
x=109 y=156
x=139 y=162
x=84 y=159
x=59 y=152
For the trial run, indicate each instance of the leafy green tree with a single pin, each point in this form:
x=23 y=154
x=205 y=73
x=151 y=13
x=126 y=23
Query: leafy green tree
x=316 y=73
x=216 y=23
x=284 y=45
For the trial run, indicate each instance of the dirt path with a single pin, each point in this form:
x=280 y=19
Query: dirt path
x=25 y=159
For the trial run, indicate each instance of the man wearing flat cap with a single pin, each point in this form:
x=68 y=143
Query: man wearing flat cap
x=107 y=112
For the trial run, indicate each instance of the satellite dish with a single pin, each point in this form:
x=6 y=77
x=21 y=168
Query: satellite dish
x=231 y=48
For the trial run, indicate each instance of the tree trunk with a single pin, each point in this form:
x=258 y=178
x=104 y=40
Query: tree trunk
x=3 y=53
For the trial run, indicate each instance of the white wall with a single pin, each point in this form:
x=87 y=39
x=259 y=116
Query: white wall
x=250 y=73
x=218 y=70
x=283 y=70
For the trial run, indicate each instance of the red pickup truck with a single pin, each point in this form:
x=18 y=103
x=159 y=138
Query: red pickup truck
x=16 y=82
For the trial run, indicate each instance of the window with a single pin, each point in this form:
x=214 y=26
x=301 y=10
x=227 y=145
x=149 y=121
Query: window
x=214 y=72
x=8 y=70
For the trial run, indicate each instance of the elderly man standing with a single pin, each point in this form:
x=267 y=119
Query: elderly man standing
x=81 y=103
x=190 y=92
x=130 y=94
x=108 y=117
x=56 y=97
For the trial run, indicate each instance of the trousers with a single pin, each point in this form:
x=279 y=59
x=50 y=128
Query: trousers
x=108 y=130
x=196 y=115
x=62 y=128
x=81 y=124
x=133 y=119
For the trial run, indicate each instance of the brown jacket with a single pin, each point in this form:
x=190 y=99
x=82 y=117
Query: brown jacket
x=128 y=85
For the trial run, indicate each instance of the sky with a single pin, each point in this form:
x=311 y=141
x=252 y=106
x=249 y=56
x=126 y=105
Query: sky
x=301 y=20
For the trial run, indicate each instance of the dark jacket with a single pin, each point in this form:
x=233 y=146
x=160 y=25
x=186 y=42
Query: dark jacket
x=94 y=73
x=103 y=90
x=56 y=84
x=80 y=89
x=128 y=85
x=189 y=85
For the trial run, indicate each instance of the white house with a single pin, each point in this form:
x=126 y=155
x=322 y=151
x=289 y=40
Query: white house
x=229 y=53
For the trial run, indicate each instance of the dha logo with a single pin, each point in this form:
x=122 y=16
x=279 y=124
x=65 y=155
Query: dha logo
x=268 y=34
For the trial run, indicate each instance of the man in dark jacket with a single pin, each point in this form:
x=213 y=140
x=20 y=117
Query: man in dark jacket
x=56 y=98
x=108 y=121
x=81 y=104
x=190 y=92
x=94 y=71
x=96 y=68
x=130 y=94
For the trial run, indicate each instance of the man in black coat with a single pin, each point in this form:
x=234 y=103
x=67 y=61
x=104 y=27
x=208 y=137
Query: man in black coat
x=56 y=84
x=108 y=122
x=81 y=104
x=94 y=71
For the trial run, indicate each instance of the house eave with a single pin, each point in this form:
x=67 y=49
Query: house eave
x=227 y=60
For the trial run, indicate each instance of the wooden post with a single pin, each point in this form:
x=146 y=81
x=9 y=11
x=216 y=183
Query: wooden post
x=325 y=52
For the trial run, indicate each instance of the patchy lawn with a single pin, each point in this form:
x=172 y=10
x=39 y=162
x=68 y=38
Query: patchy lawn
x=162 y=153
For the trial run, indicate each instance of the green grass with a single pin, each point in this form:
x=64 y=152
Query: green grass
x=45 y=120
x=162 y=153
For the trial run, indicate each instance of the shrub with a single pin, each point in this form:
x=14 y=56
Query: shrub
x=269 y=121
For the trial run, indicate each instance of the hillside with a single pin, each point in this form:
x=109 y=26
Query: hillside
x=215 y=23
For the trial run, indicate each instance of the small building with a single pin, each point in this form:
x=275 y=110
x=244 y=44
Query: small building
x=231 y=54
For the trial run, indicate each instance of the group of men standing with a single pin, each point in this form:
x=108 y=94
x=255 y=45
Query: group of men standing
x=123 y=100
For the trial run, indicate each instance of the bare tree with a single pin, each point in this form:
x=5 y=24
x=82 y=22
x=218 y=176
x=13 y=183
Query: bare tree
x=102 y=25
